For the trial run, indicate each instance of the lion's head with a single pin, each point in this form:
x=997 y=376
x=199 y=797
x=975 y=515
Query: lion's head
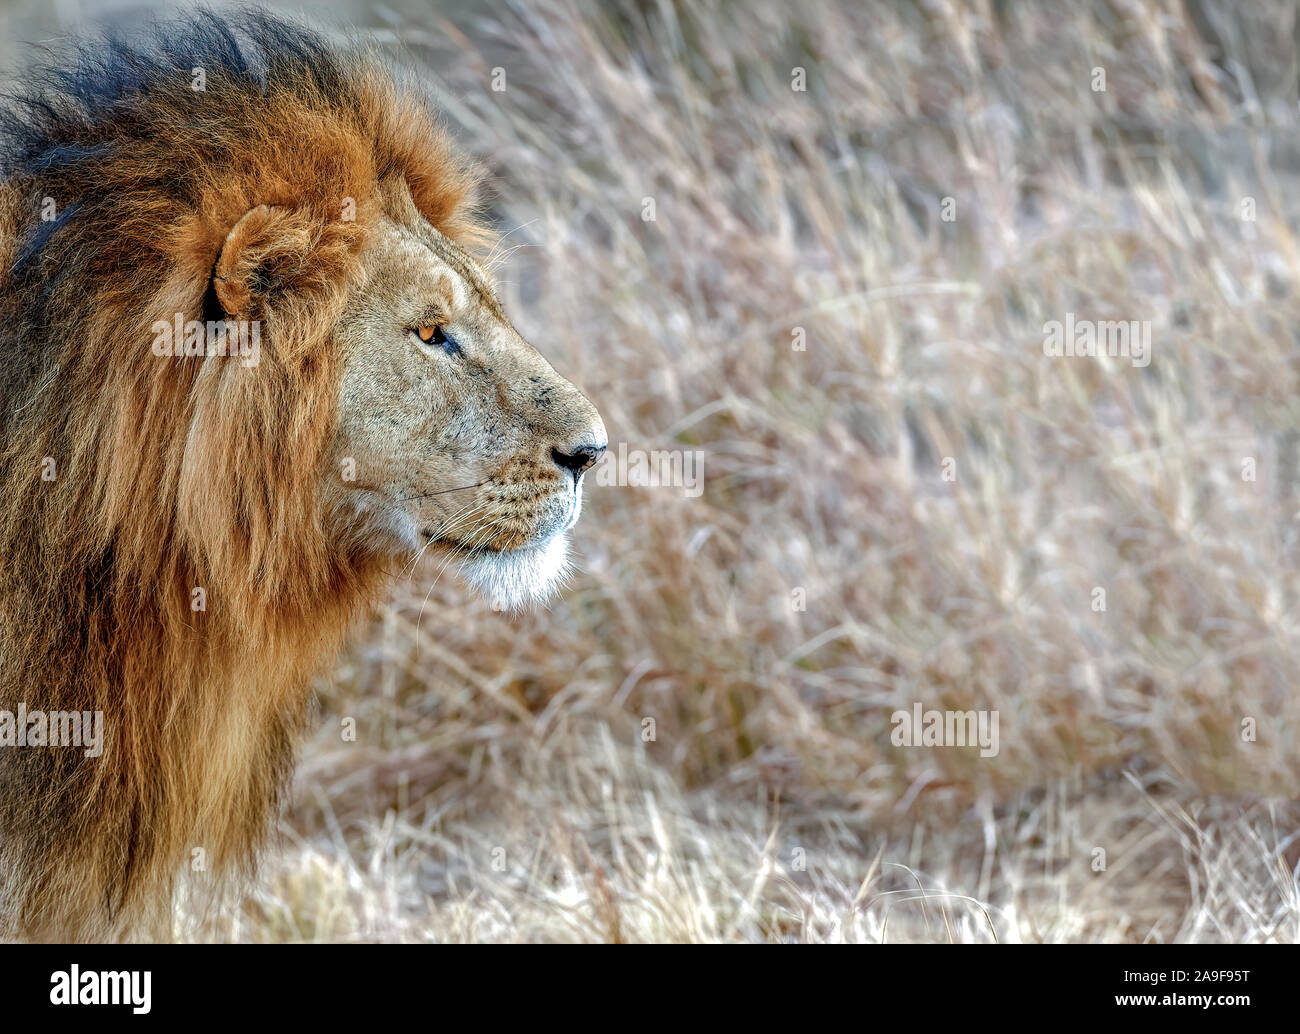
x=451 y=434
x=461 y=437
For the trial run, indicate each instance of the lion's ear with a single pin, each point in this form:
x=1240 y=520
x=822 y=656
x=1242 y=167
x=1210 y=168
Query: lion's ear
x=274 y=251
x=239 y=278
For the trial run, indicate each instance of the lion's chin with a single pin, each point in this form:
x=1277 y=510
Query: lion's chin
x=513 y=580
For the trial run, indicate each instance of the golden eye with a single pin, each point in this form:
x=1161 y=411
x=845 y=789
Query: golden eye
x=436 y=337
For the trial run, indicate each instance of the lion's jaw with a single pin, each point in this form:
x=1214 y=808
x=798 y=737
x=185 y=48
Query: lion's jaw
x=527 y=575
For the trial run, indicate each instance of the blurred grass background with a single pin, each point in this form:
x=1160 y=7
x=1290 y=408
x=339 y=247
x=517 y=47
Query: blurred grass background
x=500 y=787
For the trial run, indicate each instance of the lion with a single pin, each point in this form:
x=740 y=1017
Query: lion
x=249 y=366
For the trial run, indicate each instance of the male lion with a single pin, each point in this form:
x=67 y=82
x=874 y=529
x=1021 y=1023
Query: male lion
x=245 y=363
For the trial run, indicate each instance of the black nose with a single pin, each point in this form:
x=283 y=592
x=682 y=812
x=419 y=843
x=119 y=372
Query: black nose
x=579 y=459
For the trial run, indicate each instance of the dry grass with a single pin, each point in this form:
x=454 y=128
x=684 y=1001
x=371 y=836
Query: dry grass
x=499 y=787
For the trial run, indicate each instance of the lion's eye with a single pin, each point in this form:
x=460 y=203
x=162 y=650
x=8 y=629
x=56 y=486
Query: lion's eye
x=435 y=337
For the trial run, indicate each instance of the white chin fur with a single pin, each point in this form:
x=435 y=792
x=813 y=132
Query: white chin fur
x=522 y=576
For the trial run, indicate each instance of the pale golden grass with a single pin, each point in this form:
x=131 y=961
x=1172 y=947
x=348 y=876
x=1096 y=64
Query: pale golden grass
x=499 y=787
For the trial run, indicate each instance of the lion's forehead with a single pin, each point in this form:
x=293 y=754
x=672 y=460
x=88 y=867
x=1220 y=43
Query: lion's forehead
x=430 y=269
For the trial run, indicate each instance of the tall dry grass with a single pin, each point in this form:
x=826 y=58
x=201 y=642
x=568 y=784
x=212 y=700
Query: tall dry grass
x=500 y=786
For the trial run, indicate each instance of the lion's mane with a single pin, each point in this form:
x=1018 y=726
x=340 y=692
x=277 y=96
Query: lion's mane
x=129 y=481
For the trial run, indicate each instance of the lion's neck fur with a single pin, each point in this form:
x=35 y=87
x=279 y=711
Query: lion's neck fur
x=202 y=715
x=162 y=561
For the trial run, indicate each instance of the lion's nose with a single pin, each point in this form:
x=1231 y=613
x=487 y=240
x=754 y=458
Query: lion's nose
x=578 y=459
